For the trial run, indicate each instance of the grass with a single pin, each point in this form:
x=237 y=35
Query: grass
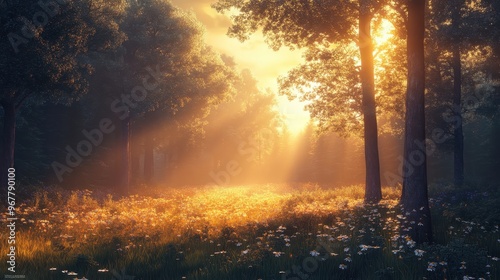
x=252 y=232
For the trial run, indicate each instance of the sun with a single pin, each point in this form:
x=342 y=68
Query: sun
x=384 y=33
x=294 y=114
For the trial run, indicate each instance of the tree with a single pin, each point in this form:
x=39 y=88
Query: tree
x=189 y=76
x=457 y=33
x=309 y=24
x=414 y=198
x=42 y=58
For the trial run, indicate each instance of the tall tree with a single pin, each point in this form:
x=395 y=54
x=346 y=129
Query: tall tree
x=461 y=36
x=414 y=197
x=303 y=23
x=458 y=159
x=42 y=53
x=165 y=46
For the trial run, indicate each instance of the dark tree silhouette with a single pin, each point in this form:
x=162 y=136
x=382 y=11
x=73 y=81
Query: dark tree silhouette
x=42 y=57
x=414 y=197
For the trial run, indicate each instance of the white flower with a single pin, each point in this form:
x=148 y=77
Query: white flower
x=348 y=259
x=314 y=253
x=419 y=253
x=432 y=266
x=344 y=238
x=343 y=266
x=244 y=252
x=278 y=254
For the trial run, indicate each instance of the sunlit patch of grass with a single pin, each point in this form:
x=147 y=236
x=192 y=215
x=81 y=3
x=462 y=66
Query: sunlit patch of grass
x=252 y=231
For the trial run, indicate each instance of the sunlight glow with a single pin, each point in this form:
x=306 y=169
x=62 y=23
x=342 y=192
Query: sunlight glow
x=383 y=33
x=294 y=114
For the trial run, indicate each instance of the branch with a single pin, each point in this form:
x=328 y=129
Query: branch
x=401 y=11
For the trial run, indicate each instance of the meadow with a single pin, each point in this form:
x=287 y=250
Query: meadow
x=301 y=231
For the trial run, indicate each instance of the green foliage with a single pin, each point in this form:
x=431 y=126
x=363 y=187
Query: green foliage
x=47 y=60
x=298 y=23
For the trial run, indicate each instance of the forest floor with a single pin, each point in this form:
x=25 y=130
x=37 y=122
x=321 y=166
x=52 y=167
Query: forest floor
x=252 y=232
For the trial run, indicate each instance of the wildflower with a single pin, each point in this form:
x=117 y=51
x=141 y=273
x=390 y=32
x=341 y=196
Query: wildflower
x=468 y=277
x=52 y=269
x=419 y=253
x=314 y=253
x=346 y=249
x=395 y=238
x=395 y=251
x=443 y=263
x=343 y=266
x=71 y=273
x=432 y=266
x=494 y=259
x=411 y=243
x=102 y=270
x=348 y=259
x=238 y=244
x=278 y=254
x=343 y=238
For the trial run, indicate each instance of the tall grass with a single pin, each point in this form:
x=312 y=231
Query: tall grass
x=250 y=232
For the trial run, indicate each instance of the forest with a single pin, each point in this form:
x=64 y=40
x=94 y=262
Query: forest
x=250 y=139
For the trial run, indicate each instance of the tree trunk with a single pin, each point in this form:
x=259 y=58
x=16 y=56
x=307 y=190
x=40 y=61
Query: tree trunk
x=458 y=163
x=414 y=199
x=9 y=141
x=125 y=156
x=373 y=192
x=458 y=155
x=148 y=159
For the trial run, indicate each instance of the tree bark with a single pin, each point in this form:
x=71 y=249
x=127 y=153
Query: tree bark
x=373 y=192
x=148 y=159
x=9 y=141
x=414 y=198
x=458 y=161
x=458 y=155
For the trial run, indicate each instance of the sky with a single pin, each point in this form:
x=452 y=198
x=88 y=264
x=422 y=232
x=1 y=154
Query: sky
x=265 y=64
